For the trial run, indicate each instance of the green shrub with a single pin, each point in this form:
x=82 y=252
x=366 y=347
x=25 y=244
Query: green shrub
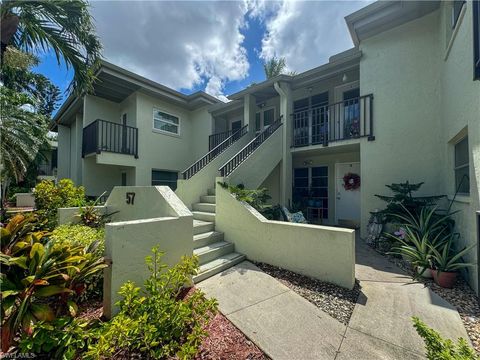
x=49 y=197
x=443 y=349
x=157 y=323
x=39 y=278
x=78 y=235
x=64 y=338
x=81 y=235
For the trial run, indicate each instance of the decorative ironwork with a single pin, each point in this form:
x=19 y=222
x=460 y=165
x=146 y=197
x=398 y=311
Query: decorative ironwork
x=243 y=154
x=212 y=154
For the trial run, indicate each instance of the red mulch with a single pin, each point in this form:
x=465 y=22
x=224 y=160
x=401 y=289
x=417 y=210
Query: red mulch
x=226 y=342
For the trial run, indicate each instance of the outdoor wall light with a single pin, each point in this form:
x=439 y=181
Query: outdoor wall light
x=345 y=78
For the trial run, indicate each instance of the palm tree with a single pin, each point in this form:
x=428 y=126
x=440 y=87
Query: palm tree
x=64 y=26
x=275 y=66
x=22 y=133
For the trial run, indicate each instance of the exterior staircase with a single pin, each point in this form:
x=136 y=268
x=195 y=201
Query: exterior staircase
x=215 y=254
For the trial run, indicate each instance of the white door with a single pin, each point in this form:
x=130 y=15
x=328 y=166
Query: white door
x=347 y=202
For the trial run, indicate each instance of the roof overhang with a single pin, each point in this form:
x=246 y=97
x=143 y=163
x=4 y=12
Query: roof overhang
x=384 y=15
x=115 y=84
x=341 y=62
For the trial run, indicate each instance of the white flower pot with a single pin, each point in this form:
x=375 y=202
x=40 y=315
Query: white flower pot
x=427 y=272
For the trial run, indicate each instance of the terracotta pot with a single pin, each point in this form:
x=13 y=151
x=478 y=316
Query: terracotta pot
x=427 y=273
x=445 y=279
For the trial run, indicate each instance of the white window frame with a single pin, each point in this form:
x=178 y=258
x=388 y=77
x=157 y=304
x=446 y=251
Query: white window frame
x=155 y=109
x=461 y=166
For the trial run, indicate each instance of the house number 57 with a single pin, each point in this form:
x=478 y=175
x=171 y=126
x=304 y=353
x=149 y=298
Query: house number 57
x=130 y=198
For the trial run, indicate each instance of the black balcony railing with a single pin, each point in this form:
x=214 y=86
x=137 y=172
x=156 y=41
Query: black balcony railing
x=213 y=153
x=243 y=154
x=348 y=119
x=107 y=136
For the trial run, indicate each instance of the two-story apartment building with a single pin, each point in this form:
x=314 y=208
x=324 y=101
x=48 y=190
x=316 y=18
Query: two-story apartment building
x=403 y=104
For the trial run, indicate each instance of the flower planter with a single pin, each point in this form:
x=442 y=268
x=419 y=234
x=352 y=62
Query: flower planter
x=424 y=272
x=444 y=279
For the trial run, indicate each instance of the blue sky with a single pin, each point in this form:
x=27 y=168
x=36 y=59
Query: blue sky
x=218 y=47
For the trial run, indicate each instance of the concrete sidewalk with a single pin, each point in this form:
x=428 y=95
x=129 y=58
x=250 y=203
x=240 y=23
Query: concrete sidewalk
x=288 y=327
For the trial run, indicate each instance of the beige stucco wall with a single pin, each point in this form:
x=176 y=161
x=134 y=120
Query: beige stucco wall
x=425 y=97
x=321 y=252
x=258 y=166
x=400 y=67
x=190 y=190
x=460 y=109
x=156 y=218
x=63 y=170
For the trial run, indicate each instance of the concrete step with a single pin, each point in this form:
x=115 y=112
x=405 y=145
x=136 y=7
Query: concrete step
x=200 y=227
x=205 y=207
x=211 y=191
x=213 y=251
x=207 y=238
x=207 y=199
x=214 y=267
x=204 y=216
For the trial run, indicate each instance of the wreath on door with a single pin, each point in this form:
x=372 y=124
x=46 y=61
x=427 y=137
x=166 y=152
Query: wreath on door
x=351 y=181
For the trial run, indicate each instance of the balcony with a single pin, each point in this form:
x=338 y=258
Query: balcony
x=105 y=136
x=345 y=120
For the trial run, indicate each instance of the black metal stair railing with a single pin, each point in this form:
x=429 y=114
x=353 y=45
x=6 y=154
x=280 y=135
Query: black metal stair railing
x=212 y=154
x=243 y=154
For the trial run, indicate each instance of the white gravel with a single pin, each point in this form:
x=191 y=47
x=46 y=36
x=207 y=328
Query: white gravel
x=332 y=299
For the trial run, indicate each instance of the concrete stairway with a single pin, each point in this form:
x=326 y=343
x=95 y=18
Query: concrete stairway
x=214 y=253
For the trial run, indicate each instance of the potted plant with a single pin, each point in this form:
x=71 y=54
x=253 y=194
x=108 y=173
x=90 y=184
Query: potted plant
x=447 y=262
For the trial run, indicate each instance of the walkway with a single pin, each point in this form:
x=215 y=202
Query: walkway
x=286 y=326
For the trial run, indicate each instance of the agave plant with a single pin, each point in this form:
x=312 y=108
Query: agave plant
x=428 y=222
x=33 y=270
x=447 y=259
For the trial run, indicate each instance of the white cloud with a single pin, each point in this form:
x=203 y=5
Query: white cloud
x=179 y=44
x=307 y=33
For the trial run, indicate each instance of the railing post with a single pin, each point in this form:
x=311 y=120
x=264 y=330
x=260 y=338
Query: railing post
x=97 y=137
x=371 y=137
x=136 y=143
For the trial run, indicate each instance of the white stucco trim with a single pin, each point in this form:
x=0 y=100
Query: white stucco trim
x=465 y=199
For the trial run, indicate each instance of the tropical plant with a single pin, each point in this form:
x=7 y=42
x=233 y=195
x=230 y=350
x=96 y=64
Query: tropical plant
x=447 y=259
x=255 y=198
x=49 y=197
x=81 y=235
x=425 y=222
x=157 y=323
x=35 y=269
x=438 y=348
x=63 y=338
x=17 y=76
x=90 y=216
x=63 y=26
x=403 y=199
x=275 y=66
x=22 y=133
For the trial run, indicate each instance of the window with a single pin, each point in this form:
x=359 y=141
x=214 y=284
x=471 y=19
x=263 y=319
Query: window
x=166 y=122
x=476 y=39
x=268 y=117
x=310 y=191
x=164 y=178
x=257 y=121
x=456 y=10
x=462 y=168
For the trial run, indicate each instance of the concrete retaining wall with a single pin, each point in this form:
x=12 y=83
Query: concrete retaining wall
x=146 y=216
x=321 y=252
x=24 y=200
